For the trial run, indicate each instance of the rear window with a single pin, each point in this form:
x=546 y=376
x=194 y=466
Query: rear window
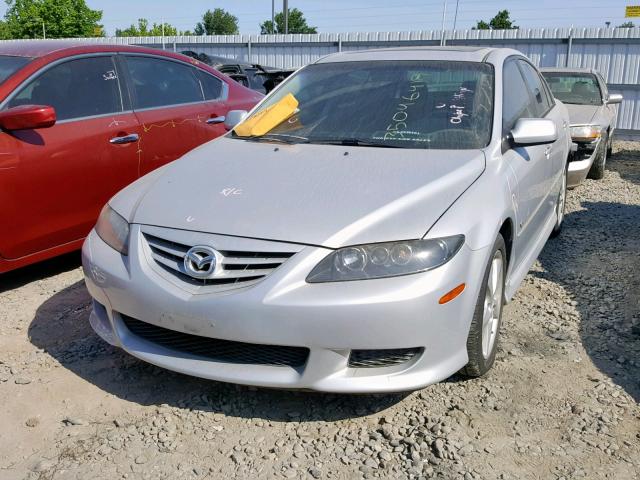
x=10 y=65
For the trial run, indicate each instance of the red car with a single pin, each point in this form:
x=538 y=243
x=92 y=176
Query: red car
x=80 y=122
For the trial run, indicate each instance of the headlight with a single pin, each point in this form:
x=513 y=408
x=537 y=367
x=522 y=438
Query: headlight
x=113 y=230
x=380 y=260
x=586 y=133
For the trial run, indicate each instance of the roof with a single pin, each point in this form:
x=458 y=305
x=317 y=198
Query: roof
x=40 y=48
x=462 y=54
x=568 y=70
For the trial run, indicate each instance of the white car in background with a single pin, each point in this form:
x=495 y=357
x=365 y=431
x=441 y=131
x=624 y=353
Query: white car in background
x=592 y=112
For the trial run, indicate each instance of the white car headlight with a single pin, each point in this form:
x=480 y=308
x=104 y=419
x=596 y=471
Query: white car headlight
x=586 y=133
x=379 y=260
x=113 y=229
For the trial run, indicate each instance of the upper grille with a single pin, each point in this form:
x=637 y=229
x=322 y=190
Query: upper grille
x=381 y=358
x=226 y=351
x=239 y=268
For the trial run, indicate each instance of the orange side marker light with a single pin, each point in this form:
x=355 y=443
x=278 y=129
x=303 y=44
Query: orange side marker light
x=447 y=297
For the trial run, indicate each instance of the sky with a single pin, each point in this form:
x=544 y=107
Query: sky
x=367 y=16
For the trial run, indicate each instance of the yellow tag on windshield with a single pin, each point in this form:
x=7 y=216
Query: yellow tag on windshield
x=265 y=120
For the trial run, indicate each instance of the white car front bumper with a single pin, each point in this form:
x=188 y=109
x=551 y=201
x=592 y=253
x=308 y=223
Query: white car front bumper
x=331 y=323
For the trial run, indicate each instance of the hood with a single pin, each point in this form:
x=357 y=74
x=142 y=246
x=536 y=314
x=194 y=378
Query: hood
x=312 y=194
x=581 y=114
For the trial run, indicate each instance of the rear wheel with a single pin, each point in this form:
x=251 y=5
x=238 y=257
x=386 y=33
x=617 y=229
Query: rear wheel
x=482 y=342
x=599 y=164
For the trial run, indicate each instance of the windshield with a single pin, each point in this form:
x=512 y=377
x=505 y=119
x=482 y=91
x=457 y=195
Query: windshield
x=575 y=88
x=10 y=65
x=402 y=104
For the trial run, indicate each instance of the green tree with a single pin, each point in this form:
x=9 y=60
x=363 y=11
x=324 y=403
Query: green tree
x=5 y=34
x=626 y=25
x=500 y=22
x=218 y=22
x=297 y=23
x=61 y=19
x=143 y=30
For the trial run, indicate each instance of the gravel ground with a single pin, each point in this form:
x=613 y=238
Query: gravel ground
x=560 y=403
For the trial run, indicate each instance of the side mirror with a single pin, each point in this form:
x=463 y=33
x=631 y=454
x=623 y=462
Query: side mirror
x=534 y=131
x=233 y=118
x=614 y=98
x=27 y=117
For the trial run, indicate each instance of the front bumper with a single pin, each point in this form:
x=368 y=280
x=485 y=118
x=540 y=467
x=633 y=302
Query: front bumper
x=580 y=163
x=283 y=310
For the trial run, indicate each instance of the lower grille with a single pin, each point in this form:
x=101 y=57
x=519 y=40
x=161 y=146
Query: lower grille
x=381 y=358
x=226 y=351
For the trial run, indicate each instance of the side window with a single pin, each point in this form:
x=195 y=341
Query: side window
x=211 y=86
x=78 y=88
x=516 y=102
x=159 y=83
x=541 y=103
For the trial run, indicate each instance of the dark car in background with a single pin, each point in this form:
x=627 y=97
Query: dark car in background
x=79 y=122
x=254 y=76
x=257 y=77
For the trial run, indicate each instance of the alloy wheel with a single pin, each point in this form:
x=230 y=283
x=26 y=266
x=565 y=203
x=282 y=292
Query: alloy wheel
x=492 y=305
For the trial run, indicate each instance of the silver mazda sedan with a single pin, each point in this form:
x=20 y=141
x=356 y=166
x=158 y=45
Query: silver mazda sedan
x=359 y=231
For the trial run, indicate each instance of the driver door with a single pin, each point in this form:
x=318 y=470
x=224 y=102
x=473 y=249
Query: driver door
x=529 y=164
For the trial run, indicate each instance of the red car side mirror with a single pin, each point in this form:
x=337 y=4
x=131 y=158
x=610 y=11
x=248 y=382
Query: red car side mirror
x=27 y=117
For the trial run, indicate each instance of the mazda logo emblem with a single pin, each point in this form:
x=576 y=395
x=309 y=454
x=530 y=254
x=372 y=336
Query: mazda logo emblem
x=200 y=261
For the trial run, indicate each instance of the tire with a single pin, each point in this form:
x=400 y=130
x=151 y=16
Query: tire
x=561 y=205
x=482 y=342
x=610 y=147
x=599 y=164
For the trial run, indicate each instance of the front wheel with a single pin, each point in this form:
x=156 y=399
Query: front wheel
x=596 y=172
x=482 y=342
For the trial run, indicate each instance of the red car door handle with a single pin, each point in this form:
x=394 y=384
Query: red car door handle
x=132 y=137
x=216 y=120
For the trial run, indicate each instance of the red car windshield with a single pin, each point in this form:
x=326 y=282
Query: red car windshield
x=10 y=65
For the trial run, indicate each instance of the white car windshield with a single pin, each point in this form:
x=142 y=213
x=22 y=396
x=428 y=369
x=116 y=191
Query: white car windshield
x=574 y=88
x=399 y=104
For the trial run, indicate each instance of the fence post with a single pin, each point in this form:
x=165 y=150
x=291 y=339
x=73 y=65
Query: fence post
x=569 y=44
x=249 y=50
x=339 y=43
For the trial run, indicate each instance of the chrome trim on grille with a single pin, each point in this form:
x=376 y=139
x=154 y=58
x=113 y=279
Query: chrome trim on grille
x=238 y=268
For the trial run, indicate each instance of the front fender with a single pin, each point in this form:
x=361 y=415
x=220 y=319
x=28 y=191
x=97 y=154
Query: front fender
x=481 y=210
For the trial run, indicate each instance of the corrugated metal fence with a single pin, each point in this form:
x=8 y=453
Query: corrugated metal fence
x=614 y=52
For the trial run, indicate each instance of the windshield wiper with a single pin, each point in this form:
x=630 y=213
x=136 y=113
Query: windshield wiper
x=277 y=137
x=355 y=142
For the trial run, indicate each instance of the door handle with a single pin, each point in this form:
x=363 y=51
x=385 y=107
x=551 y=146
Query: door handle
x=132 y=137
x=216 y=120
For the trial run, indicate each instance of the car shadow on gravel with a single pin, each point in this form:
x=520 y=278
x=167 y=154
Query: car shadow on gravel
x=61 y=328
x=596 y=260
x=38 y=271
